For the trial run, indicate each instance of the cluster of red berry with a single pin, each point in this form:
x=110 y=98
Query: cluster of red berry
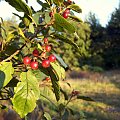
x=66 y=13
x=45 y=61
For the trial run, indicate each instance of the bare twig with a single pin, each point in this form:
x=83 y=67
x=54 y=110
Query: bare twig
x=4 y=98
x=15 y=53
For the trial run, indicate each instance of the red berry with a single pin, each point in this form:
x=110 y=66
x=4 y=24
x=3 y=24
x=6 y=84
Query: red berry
x=34 y=65
x=45 y=40
x=52 y=58
x=51 y=14
x=26 y=60
x=69 y=1
x=48 y=48
x=47 y=78
x=65 y=15
x=75 y=92
x=36 y=53
x=45 y=63
x=67 y=11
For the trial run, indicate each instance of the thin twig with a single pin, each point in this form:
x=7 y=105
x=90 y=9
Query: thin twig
x=15 y=53
x=4 y=98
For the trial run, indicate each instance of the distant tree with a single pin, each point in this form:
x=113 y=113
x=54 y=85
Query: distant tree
x=97 y=40
x=97 y=31
x=112 y=50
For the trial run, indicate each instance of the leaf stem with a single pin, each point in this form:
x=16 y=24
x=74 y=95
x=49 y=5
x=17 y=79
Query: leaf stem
x=49 y=100
x=68 y=101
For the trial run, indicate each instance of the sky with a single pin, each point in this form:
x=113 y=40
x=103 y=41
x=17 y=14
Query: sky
x=102 y=8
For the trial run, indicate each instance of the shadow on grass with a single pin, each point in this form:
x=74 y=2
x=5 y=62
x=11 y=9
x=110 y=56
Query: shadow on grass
x=109 y=99
x=114 y=77
x=112 y=112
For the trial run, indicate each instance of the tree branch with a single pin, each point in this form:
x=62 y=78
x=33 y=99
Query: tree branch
x=15 y=53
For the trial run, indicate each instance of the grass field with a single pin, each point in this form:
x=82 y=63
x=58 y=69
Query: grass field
x=104 y=88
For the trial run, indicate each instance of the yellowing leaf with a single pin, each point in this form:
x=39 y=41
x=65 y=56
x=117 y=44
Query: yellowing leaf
x=10 y=36
x=58 y=70
x=22 y=34
x=6 y=71
x=26 y=94
x=31 y=28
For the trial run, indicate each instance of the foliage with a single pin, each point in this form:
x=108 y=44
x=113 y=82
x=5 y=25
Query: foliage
x=73 y=54
x=25 y=62
x=112 y=41
x=105 y=41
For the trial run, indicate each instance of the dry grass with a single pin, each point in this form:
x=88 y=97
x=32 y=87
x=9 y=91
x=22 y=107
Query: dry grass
x=106 y=95
x=105 y=90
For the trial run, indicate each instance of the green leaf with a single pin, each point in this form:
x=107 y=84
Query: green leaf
x=47 y=116
x=36 y=17
x=13 y=82
x=41 y=73
x=64 y=93
x=22 y=34
x=66 y=115
x=58 y=2
x=75 y=7
x=44 y=5
x=61 y=107
x=67 y=40
x=47 y=17
x=26 y=94
x=60 y=21
x=60 y=72
x=39 y=47
x=55 y=83
x=75 y=18
x=20 y=6
x=61 y=61
x=6 y=71
x=85 y=98
x=58 y=27
x=31 y=28
x=26 y=20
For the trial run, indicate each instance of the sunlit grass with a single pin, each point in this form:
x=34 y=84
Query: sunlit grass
x=105 y=94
